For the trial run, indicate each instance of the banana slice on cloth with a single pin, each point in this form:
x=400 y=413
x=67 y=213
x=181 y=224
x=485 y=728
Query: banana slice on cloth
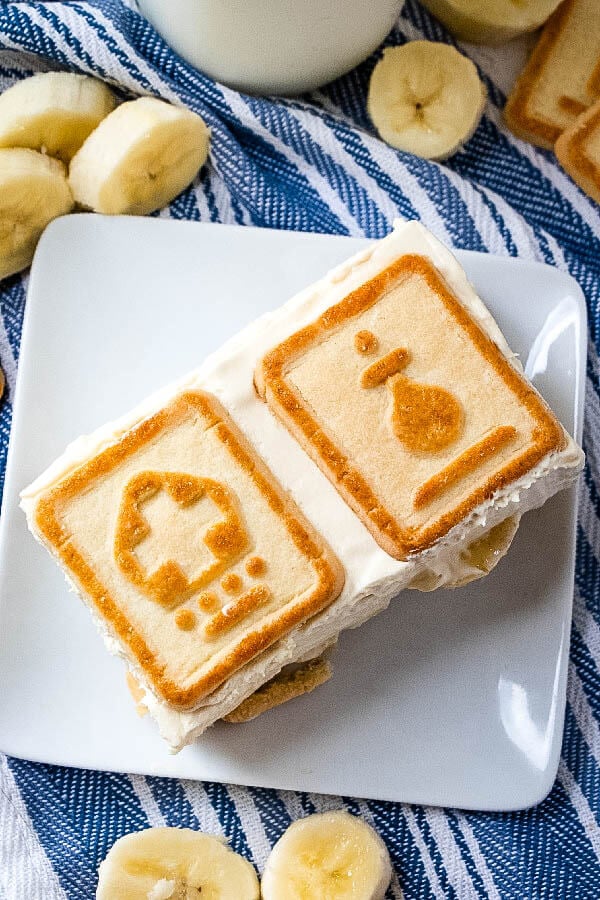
x=53 y=112
x=33 y=191
x=327 y=856
x=425 y=98
x=175 y=864
x=490 y=21
x=139 y=158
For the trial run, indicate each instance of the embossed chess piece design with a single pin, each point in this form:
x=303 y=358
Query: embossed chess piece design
x=227 y=541
x=426 y=418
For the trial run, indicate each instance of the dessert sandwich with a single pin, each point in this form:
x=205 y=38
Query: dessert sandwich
x=375 y=433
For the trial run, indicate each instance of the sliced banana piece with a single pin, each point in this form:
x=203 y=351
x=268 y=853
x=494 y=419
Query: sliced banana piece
x=175 y=864
x=425 y=98
x=484 y=554
x=460 y=567
x=327 y=856
x=490 y=21
x=33 y=191
x=53 y=112
x=139 y=158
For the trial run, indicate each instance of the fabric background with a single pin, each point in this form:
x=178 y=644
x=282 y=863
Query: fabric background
x=314 y=164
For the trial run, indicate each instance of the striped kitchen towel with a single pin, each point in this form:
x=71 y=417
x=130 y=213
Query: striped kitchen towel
x=314 y=164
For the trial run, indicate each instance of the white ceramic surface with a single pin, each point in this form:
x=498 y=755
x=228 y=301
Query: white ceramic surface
x=452 y=698
x=273 y=46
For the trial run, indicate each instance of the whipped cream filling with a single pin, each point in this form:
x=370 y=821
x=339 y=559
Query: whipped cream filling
x=373 y=577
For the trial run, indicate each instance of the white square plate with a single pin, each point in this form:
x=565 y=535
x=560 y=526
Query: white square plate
x=453 y=698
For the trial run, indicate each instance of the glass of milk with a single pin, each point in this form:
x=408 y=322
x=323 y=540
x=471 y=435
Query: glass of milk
x=273 y=46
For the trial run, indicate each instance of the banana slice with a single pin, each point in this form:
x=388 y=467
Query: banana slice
x=476 y=560
x=139 y=158
x=53 y=112
x=425 y=98
x=327 y=856
x=175 y=864
x=491 y=21
x=33 y=191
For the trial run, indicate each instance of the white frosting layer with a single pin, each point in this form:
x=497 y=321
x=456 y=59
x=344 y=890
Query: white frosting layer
x=373 y=578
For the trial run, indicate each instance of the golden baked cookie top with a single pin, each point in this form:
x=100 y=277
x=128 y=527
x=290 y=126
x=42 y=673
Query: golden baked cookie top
x=407 y=405
x=186 y=548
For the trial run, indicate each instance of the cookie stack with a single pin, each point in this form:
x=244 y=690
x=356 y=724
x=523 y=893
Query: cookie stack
x=375 y=433
x=556 y=100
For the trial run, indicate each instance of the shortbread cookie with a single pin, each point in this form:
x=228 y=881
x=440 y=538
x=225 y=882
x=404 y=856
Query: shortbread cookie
x=286 y=686
x=562 y=76
x=578 y=151
x=407 y=406
x=186 y=549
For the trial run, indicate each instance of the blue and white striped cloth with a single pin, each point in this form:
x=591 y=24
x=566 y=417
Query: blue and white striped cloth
x=314 y=164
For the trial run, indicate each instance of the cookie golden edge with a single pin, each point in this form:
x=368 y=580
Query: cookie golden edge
x=44 y=521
